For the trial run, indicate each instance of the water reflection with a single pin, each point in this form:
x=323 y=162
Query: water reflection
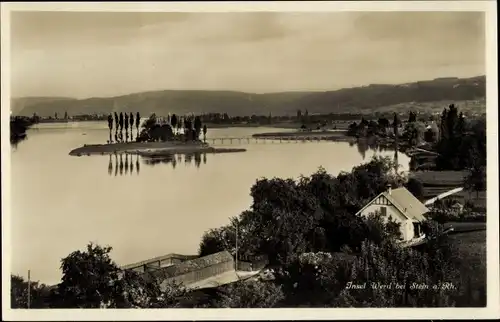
x=123 y=164
x=175 y=159
x=16 y=140
x=127 y=164
x=167 y=159
x=364 y=145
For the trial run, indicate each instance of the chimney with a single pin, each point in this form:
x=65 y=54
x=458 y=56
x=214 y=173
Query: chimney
x=389 y=189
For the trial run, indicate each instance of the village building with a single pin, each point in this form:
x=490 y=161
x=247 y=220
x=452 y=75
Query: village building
x=401 y=206
x=158 y=262
x=195 y=272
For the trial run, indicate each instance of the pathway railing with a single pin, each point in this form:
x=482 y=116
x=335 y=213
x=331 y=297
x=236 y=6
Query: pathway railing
x=266 y=139
x=443 y=195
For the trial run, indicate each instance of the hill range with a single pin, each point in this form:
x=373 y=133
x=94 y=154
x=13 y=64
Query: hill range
x=365 y=99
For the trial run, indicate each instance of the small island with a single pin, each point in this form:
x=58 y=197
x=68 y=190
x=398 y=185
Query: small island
x=157 y=137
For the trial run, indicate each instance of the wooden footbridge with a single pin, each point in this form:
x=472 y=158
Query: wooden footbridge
x=271 y=139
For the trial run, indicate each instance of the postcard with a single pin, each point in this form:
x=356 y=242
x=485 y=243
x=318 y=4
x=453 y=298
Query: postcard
x=249 y=160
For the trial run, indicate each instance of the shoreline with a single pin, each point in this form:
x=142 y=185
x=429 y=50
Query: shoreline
x=149 y=148
x=279 y=125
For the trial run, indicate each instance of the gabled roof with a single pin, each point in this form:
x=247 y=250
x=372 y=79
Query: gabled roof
x=159 y=258
x=403 y=200
x=193 y=264
x=406 y=202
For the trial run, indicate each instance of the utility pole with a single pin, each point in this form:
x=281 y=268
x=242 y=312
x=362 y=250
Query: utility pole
x=29 y=289
x=236 y=260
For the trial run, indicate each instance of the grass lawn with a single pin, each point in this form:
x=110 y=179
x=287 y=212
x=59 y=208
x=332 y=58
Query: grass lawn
x=471 y=261
x=437 y=182
x=466 y=226
x=440 y=178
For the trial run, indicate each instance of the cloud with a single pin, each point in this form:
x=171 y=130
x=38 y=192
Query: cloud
x=45 y=29
x=89 y=54
x=414 y=25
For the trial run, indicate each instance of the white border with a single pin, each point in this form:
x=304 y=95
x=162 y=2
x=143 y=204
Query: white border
x=492 y=310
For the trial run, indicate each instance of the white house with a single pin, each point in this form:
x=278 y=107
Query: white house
x=403 y=207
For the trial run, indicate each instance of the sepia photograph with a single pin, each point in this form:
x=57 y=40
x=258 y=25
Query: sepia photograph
x=288 y=157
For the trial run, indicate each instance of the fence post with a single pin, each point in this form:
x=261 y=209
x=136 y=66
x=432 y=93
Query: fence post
x=29 y=289
x=236 y=260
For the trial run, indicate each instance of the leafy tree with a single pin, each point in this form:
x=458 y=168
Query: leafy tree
x=383 y=264
x=197 y=127
x=461 y=145
x=395 y=125
x=117 y=121
x=110 y=125
x=222 y=238
x=311 y=279
x=92 y=280
x=415 y=187
x=315 y=213
x=148 y=292
x=152 y=131
x=120 y=123
x=131 y=120
x=443 y=129
x=137 y=121
x=174 y=122
x=131 y=124
x=39 y=294
x=383 y=124
x=35 y=119
x=180 y=123
x=188 y=129
x=204 y=132
x=126 y=123
x=413 y=133
x=412 y=117
x=352 y=130
x=379 y=230
x=476 y=180
x=250 y=294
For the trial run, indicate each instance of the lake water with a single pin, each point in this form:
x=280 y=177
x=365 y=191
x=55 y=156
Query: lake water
x=62 y=202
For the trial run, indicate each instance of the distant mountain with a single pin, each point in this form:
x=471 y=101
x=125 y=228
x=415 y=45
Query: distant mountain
x=18 y=105
x=358 y=99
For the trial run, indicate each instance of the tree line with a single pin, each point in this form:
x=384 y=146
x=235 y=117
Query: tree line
x=156 y=128
x=460 y=143
x=315 y=246
x=18 y=127
x=123 y=120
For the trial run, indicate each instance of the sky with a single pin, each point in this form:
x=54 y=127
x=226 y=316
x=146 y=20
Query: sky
x=102 y=54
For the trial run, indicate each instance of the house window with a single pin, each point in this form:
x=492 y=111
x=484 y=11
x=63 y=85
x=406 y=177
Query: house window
x=383 y=210
x=416 y=229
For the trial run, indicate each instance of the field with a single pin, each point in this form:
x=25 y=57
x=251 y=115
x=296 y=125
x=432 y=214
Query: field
x=463 y=227
x=471 y=260
x=437 y=182
x=440 y=178
x=469 y=106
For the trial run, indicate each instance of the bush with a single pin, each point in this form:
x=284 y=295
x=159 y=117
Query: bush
x=92 y=280
x=415 y=187
x=249 y=294
x=39 y=294
x=400 y=269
